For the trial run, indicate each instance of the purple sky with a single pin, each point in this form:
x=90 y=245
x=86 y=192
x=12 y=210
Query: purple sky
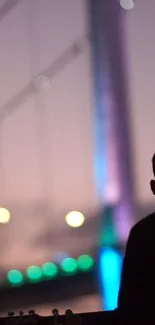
x=140 y=51
x=46 y=146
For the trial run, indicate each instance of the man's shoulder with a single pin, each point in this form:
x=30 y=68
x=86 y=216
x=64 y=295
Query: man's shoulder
x=144 y=224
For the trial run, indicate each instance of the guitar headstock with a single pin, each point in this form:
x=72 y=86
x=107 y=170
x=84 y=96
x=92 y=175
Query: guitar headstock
x=20 y=319
x=31 y=318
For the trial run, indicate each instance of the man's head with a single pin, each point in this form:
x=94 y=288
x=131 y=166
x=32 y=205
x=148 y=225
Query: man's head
x=152 y=183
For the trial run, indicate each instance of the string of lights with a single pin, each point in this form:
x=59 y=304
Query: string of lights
x=50 y=270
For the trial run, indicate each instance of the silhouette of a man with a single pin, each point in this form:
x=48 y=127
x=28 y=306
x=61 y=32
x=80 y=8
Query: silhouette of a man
x=137 y=288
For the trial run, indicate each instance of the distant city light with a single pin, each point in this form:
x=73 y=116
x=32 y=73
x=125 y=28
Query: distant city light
x=4 y=215
x=50 y=269
x=75 y=219
x=15 y=277
x=34 y=273
x=127 y=4
x=69 y=265
x=85 y=262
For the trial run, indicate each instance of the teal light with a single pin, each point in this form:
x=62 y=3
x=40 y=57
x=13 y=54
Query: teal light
x=85 y=263
x=34 y=273
x=15 y=277
x=69 y=265
x=50 y=270
x=110 y=272
x=108 y=235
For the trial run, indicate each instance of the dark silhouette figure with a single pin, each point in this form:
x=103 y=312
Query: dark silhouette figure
x=137 y=288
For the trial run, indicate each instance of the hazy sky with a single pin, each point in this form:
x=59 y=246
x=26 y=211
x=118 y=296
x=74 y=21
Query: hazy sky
x=47 y=145
x=140 y=52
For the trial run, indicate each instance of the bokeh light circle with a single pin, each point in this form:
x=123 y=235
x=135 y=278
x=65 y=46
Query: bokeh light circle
x=4 y=215
x=85 y=262
x=50 y=269
x=69 y=265
x=15 y=277
x=34 y=273
x=127 y=4
x=75 y=219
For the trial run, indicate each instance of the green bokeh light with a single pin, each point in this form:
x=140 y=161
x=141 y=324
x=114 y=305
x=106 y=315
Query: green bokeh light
x=15 y=277
x=69 y=265
x=34 y=273
x=50 y=269
x=85 y=262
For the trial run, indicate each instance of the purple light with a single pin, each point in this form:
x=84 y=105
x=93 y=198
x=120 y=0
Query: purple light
x=123 y=220
x=60 y=257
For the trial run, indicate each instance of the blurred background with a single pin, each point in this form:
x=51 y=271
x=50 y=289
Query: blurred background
x=76 y=141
